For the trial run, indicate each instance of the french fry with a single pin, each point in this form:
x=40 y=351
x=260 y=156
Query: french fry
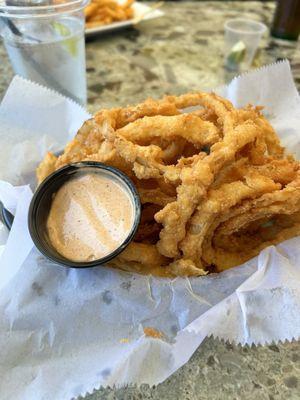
x=117 y=15
x=105 y=3
x=129 y=13
x=90 y=10
x=110 y=4
x=98 y=17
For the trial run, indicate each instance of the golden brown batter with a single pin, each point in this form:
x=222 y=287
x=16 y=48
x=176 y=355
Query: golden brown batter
x=90 y=216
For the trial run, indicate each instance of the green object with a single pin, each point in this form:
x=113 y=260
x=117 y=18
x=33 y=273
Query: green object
x=69 y=44
x=237 y=54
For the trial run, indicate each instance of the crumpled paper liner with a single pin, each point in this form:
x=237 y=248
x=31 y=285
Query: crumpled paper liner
x=65 y=332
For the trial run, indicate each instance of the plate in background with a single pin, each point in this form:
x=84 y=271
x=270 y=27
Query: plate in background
x=139 y=10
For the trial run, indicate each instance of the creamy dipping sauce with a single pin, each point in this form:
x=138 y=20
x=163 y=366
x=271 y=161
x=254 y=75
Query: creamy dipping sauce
x=91 y=215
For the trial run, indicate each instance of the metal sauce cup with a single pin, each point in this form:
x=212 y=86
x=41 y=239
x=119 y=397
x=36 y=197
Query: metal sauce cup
x=41 y=203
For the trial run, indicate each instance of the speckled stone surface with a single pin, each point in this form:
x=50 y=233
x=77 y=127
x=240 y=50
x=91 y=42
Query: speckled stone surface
x=174 y=54
x=219 y=371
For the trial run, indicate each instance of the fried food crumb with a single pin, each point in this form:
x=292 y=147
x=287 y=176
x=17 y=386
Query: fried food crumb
x=124 y=340
x=152 y=332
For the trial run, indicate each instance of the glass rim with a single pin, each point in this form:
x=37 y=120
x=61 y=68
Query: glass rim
x=8 y=11
x=262 y=27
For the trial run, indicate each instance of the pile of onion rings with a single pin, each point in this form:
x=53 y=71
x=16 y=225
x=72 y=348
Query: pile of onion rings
x=215 y=184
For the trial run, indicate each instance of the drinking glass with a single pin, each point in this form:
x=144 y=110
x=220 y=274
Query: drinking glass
x=45 y=43
x=242 y=37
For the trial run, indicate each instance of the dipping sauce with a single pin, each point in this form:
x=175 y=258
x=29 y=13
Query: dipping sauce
x=91 y=215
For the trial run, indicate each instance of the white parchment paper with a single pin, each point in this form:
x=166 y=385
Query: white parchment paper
x=65 y=332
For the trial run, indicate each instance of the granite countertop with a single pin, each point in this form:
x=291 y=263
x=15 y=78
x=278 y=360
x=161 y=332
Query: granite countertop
x=177 y=53
x=180 y=52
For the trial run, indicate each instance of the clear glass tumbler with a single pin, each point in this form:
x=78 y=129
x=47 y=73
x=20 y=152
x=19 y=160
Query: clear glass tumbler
x=242 y=37
x=45 y=43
